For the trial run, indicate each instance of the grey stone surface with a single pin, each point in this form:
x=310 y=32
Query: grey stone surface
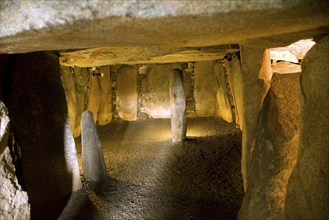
x=276 y=148
x=55 y=25
x=126 y=93
x=36 y=101
x=92 y=156
x=177 y=106
x=308 y=188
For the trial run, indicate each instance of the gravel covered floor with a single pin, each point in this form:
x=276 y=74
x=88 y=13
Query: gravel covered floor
x=149 y=177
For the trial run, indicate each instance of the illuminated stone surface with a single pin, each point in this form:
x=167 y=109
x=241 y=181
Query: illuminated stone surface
x=275 y=152
x=205 y=89
x=127 y=96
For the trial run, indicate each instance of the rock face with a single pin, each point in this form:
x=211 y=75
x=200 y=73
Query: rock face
x=275 y=152
x=126 y=94
x=38 y=112
x=308 y=188
x=205 y=89
x=14 y=202
x=92 y=156
x=177 y=106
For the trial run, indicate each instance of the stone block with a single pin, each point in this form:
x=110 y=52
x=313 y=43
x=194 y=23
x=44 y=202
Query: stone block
x=126 y=93
x=205 y=89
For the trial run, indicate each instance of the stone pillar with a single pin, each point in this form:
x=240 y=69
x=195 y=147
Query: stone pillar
x=92 y=156
x=126 y=97
x=205 y=89
x=308 y=188
x=177 y=106
x=223 y=107
x=275 y=152
x=75 y=82
x=251 y=86
x=105 y=108
x=94 y=96
x=38 y=112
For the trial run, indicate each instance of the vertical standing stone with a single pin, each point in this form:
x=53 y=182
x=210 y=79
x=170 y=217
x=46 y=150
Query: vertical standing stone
x=177 y=106
x=223 y=107
x=92 y=156
x=251 y=86
x=127 y=96
x=308 y=188
x=38 y=112
x=94 y=96
x=205 y=89
x=275 y=152
x=105 y=109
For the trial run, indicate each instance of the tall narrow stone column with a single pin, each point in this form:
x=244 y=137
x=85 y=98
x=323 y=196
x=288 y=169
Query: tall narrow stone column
x=92 y=156
x=177 y=106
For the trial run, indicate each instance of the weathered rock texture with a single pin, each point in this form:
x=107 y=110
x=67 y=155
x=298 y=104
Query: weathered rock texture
x=205 y=89
x=308 y=188
x=38 y=112
x=56 y=25
x=92 y=156
x=14 y=202
x=177 y=106
x=275 y=152
x=126 y=97
x=250 y=86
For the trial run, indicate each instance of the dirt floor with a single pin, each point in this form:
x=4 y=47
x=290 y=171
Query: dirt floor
x=149 y=177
